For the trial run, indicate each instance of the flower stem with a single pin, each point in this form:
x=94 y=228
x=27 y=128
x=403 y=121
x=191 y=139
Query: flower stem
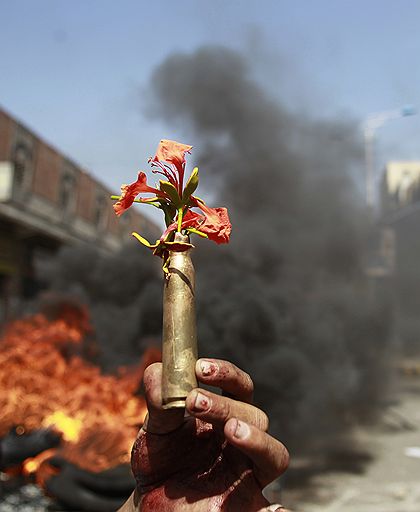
x=149 y=200
x=197 y=232
x=180 y=215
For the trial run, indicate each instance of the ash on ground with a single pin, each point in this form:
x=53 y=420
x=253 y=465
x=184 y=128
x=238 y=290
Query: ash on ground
x=28 y=498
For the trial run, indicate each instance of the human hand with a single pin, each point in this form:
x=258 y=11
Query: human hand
x=217 y=458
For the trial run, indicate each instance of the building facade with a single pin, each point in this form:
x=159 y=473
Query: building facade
x=400 y=185
x=47 y=200
x=400 y=195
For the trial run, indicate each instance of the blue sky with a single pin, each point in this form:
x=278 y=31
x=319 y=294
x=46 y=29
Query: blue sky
x=74 y=71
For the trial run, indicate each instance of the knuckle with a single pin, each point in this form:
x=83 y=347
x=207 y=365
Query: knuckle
x=286 y=458
x=225 y=410
x=220 y=410
x=248 y=383
x=262 y=421
x=282 y=460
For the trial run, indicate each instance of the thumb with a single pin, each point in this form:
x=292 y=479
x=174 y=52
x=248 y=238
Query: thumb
x=159 y=420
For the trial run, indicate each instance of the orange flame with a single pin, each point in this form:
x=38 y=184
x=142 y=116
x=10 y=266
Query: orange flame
x=44 y=383
x=32 y=464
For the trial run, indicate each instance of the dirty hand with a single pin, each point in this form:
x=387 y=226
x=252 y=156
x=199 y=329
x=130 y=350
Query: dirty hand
x=218 y=458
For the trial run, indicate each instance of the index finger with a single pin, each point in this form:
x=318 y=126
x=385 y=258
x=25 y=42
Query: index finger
x=225 y=375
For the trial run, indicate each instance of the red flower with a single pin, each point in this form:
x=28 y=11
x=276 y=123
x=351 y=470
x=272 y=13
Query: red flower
x=175 y=201
x=173 y=153
x=130 y=192
x=214 y=223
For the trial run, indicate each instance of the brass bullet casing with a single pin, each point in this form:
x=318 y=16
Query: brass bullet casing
x=179 y=343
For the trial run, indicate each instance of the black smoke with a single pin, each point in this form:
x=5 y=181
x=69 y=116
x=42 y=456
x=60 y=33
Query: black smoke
x=287 y=299
x=122 y=293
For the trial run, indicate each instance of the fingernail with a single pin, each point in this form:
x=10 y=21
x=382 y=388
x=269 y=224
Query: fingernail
x=276 y=508
x=242 y=430
x=201 y=402
x=208 y=368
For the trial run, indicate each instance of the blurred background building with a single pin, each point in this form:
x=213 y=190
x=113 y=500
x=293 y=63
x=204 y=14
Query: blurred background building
x=400 y=187
x=400 y=208
x=47 y=201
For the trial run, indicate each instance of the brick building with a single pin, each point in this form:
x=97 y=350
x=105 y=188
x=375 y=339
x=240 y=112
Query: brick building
x=46 y=200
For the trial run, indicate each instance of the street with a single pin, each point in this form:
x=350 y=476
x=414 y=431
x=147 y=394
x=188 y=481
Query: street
x=391 y=480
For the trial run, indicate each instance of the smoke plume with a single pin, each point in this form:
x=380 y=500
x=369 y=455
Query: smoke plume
x=288 y=299
x=123 y=293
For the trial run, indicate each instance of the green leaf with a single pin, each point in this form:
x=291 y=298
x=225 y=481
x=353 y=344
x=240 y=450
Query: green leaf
x=169 y=210
x=143 y=240
x=172 y=192
x=191 y=204
x=147 y=200
x=197 y=232
x=191 y=185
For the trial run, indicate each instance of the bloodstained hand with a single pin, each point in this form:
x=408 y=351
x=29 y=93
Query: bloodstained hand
x=218 y=458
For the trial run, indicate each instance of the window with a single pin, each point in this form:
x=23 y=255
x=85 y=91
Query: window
x=100 y=211
x=21 y=159
x=67 y=191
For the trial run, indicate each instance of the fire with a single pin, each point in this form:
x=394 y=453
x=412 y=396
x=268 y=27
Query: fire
x=32 y=464
x=45 y=382
x=69 y=427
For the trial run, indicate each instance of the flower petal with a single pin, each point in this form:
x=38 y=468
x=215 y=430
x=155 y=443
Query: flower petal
x=130 y=192
x=178 y=246
x=172 y=152
x=215 y=222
